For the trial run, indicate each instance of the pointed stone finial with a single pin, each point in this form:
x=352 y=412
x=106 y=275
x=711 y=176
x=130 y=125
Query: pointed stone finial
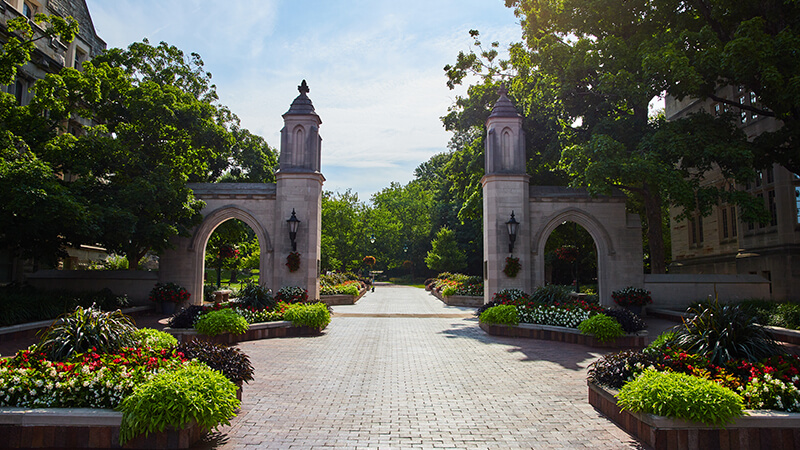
x=504 y=107
x=303 y=88
x=502 y=90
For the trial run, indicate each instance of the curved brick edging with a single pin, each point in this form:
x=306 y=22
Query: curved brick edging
x=563 y=334
x=769 y=430
x=82 y=428
x=266 y=330
x=342 y=299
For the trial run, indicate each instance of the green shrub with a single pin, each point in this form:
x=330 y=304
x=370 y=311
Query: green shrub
x=603 y=328
x=660 y=343
x=340 y=289
x=291 y=294
x=786 y=315
x=84 y=329
x=500 y=315
x=186 y=317
x=208 y=293
x=313 y=315
x=616 y=369
x=680 y=396
x=225 y=320
x=154 y=338
x=26 y=304
x=228 y=360
x=253 y=295
x=725 y=333
x=551 y=294
x=175 y=398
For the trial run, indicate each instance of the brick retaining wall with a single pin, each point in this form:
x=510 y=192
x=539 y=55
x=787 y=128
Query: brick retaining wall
x=563 y=334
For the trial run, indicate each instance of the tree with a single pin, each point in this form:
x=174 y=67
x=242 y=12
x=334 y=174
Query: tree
x=400 y=219
x=445 y=256
x=39 y=216
x=223 y=248
x=343 y=231
x=158 y=126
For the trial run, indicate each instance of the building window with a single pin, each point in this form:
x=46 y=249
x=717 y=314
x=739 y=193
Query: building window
x=759 y=178
x=770 y=176
x=717 y=109
x=797 y=202
x=28 y=10
x=733 y=221
x=773 y=208
x=80 y=57
x=761 y=199
x=753 y=102
x=725 y=232
x=696 y=230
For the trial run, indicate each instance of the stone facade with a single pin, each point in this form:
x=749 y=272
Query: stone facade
x=265 y=208
x=539 y=210
x=721 y=243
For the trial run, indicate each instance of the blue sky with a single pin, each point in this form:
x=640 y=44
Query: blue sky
x=374 y=68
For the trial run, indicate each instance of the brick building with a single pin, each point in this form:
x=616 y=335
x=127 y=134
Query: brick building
x=721 y=243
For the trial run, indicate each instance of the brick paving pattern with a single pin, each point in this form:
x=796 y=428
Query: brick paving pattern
x=403 y=381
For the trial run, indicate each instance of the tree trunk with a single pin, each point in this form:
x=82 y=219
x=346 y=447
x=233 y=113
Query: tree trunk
x=655 y=235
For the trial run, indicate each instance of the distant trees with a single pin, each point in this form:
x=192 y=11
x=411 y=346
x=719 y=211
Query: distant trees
x=445 y=256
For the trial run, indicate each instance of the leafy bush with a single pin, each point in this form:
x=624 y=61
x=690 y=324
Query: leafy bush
x=616 y=369
x=555 y=315
x=680 y=396
x=252 y=315
x=208 y=293
x=458 y=284
x=724 y=333
x=660 y=343
x=86 y=329
x=551 y=294
x=785 y=315
x=186 y=317
x=632 y=296
x=630 y=322
x=225 y=320
x=347 y=288
x=230 y=361
x=154 y=339
x=500 y=315
x=291 y=294
x=253 y=295
x=192 y=393
x=603 y=328
x=314 y=315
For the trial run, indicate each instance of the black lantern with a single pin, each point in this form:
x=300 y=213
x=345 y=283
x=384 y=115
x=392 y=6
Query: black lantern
x=293 y=222
x=512 y=225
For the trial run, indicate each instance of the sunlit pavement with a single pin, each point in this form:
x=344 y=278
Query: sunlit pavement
x=402 y=370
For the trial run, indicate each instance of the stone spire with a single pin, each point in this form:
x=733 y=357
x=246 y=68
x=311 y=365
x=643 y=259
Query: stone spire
x=302 y=104
x=503 y=107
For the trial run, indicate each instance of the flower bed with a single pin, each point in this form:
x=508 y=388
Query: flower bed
x=346 y=293
x=455 y=289
x=704 y=377
x=96 y=361
x=551 y=313
x=758 y=430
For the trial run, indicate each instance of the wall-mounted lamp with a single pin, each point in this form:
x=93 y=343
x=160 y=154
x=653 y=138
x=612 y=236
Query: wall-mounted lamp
x=294 y=223
x=512 y=225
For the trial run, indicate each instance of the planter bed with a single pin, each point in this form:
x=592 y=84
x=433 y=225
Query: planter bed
x=82 y=428
x=257 y=331
x=30 y=329
x=563 y=334
x=779 y=334
x=459 y=300
x=760 y=430
x=342 y=299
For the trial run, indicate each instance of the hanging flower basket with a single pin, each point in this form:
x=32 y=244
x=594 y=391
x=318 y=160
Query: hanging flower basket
x=512 y=267
x=369 y=260
x=293 y=261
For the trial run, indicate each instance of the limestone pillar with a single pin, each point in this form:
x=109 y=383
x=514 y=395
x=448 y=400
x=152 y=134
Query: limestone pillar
x=299 y=189
x=505 y=191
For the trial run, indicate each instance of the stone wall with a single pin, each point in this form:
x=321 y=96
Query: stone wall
x=677 y=291
x=133 y=283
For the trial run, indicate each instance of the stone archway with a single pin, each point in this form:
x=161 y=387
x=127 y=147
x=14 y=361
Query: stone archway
x=616 y=234
x=216 y=218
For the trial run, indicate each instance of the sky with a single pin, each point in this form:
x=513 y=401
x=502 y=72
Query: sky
x=375 y=68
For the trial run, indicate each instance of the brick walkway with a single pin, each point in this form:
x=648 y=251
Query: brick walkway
x=416 y=382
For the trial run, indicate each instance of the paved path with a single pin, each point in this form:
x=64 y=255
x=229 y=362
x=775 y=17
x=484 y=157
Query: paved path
x=411 y=382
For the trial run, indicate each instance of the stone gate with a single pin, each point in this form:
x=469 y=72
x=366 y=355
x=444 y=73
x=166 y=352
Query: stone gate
x=539 y=210
x=266 y=209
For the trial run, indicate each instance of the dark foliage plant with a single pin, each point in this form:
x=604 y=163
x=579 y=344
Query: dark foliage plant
x=724 y=333
x=87 y=329
x=631 y=322
x=186 y=317
x=616 y=369
x=231 y=361
x=551 y=294
x=253 y=295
